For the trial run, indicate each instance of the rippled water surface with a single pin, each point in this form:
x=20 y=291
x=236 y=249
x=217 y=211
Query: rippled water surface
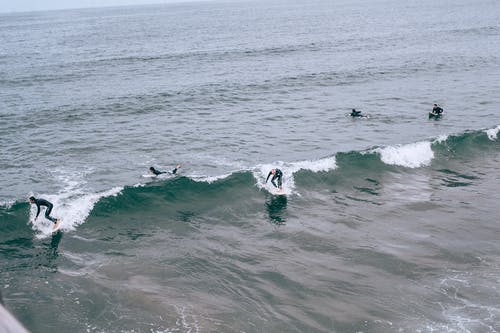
x=389 y=222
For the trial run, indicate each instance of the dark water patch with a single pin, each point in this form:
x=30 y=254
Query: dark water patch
x=117 y=254
x=454 y=183
x=366 y=190
x=40 y=257
x=456 y=179
x=361 y=200
x=477 y=31
x=13 y=222
x=276 y=208
x=457 y=174
x=19 y=247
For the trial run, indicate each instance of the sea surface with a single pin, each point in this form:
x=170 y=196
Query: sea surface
x=390 y=223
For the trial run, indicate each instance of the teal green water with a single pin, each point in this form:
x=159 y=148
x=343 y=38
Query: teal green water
x=389 y=223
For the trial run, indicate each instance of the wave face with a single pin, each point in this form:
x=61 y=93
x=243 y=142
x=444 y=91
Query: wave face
x=204 y=194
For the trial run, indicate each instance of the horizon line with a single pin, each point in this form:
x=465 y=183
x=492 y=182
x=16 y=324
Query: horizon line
x=96 y=6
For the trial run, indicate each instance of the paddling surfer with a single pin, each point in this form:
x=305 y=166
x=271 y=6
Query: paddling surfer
x=158 y=172
x=355 y=113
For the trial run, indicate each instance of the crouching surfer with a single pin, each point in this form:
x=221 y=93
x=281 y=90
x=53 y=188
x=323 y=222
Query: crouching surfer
x=48 y=210
x=436 y=111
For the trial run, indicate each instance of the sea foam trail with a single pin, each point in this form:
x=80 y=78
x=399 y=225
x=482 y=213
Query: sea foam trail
x=413 y=155
x=261 y=171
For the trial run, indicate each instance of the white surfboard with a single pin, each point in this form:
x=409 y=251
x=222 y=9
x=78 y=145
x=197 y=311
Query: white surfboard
x=57 y=225
x=149 y=176
x=276 y=191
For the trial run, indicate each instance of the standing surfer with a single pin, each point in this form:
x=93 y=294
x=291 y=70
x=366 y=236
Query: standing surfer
x=277 y=175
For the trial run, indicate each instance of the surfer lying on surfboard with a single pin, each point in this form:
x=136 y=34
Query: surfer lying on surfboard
x=49 y=205
x=355 y=113
x=277 y=175
x=158 y=172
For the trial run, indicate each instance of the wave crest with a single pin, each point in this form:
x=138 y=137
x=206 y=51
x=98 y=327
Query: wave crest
x=413 y=155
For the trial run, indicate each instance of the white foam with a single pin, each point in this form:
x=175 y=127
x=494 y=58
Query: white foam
x=7 y=204
x=324 y=164
x=166 y=175
x=71 y=208
x=184 y=323
x=288 y=169
x=149 y=176
x=441 y=139
x=72 y=205
x=209 y=179
x=412 y=155
x=493 y=133
x=462 y=311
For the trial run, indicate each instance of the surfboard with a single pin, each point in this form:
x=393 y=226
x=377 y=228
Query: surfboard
x=434 y=115
x=358 y=116
x=278 y=192
x=57 y=225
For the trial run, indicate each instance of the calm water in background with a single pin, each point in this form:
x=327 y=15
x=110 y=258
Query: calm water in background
x=389 y=223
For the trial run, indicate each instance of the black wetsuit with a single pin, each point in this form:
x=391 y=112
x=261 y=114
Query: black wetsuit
x=43 y=202
x=437 y=110
x=277 y=176
x=158 y=172
x=355 y=113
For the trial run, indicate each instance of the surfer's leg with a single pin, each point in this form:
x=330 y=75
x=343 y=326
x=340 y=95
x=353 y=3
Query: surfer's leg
x=280 y=183
x=47 y=215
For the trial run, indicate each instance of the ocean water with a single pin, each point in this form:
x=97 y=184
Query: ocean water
x=389 y=223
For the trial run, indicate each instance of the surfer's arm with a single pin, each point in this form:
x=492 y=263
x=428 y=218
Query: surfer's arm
x=177 y=167
x=37 y=211
x=268 y=175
